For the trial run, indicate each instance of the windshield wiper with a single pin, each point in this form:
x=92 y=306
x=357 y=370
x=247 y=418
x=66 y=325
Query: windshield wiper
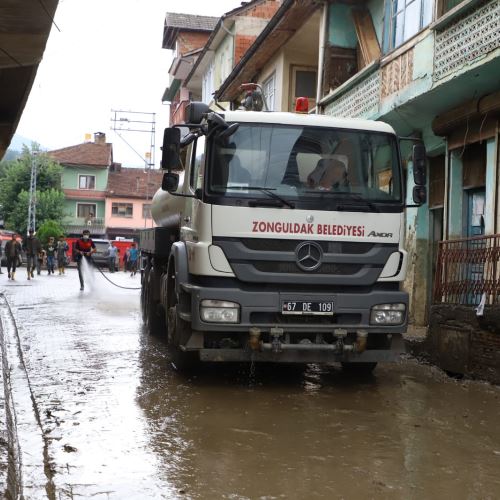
x=268 y=191
x=354 y=195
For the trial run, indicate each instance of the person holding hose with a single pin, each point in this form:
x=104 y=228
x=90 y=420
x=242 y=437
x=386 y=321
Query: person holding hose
x=84 y=248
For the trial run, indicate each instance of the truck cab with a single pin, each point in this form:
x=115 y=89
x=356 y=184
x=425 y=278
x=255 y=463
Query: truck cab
x=280 y=240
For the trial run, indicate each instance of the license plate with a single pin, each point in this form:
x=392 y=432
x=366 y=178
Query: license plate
x=307 y=307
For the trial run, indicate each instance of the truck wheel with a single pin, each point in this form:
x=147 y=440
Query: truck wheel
x=179 y=330
x=359 y=368
x=154 y=322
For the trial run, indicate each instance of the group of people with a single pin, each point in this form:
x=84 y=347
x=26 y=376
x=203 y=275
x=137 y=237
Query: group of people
x=54 y=251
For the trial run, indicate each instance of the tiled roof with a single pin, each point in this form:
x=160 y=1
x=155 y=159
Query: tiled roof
x=86 y=154
x=190 y=21
x=133 y=183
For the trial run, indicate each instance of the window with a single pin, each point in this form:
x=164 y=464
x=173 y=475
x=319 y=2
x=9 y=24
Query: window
x=86 y=182
x=146 y=210
x=122 y=209
x=269 y=88
x=308 y=166
x=196 y=179
x=303 y=85
x=85 y=210
x=208 y=84
x=408 y=18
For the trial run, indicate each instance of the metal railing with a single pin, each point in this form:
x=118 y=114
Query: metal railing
x=467 y=269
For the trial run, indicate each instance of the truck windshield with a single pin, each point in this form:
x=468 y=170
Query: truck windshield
x=306 y=164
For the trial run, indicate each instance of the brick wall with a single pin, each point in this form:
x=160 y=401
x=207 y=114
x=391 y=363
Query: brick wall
x=264 y=10
x=247 y=30
x=241 y=45
x=190 y=40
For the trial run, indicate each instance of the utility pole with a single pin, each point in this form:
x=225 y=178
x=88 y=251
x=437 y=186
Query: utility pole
x=138 y=122
x=32 y=199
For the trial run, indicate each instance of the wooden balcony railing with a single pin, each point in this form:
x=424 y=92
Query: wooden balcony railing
x=467 y=269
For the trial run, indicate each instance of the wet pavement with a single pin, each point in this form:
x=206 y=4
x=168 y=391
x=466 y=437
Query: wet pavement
x=99 y=412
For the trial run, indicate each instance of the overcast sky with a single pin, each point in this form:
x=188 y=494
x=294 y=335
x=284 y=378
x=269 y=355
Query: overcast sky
x=108 y=55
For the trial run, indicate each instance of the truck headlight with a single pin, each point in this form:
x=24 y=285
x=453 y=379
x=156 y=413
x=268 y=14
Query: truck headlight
x=387 y=314
x=219 y=311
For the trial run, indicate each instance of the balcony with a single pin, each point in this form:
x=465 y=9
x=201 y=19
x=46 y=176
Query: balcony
x=462 y=40
x=75 y=225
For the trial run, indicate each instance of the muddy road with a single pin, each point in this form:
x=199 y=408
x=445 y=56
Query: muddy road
x=94 y=409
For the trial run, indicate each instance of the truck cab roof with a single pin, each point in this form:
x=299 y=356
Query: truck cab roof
x=311 y=120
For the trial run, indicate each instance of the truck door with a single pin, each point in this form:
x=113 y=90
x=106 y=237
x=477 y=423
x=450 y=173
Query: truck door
x=194 y=181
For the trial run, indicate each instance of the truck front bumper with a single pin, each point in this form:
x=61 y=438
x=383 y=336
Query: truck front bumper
x=264 y=310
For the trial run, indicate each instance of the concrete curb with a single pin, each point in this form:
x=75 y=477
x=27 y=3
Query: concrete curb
x=10 y=466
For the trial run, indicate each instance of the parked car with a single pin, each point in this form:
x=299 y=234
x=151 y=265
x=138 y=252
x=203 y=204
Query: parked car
x=100 y=257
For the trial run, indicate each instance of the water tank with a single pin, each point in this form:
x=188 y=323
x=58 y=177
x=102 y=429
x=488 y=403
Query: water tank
x=166 y=208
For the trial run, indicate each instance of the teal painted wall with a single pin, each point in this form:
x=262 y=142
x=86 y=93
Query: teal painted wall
x=456 y=193
x=376 y=8
x=491 y=173
x=341 y=32
x=70 y=177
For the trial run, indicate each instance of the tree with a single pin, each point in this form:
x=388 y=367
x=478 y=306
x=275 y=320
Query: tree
x=15 y=178
x=49 y=206
x=49 y=228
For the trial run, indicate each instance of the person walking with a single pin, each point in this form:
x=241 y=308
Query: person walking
x=133 y=257
x=50 y=251
x=32 y=247
x=125 y=259
x=12 y=253
x=84 y=248
x=61 y=250
x=112 y=252
x=40 y=259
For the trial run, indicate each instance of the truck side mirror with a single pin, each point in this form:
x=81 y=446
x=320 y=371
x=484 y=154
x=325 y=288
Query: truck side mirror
x=170 y=149
x=419 y=158
x=419 y=195
x=170 y=182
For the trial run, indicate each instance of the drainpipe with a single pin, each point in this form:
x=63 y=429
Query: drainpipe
x=321 y=59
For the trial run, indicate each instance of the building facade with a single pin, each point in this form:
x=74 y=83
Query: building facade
x=128 y=200
x=84 y=181
x=186 y=35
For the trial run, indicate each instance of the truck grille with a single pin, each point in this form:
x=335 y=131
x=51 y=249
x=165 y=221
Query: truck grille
x=292 y=268
x=261 y=260
x=273 y=245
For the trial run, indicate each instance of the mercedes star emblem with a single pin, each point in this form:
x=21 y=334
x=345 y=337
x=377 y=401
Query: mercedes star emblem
x=309 y=255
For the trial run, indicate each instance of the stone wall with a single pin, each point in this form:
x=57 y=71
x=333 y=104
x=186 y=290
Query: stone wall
x=461 y=342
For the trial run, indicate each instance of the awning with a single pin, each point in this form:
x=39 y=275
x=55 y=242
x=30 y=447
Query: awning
x=169 y=94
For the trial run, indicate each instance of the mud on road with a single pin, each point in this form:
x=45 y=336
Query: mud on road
x=98 y=412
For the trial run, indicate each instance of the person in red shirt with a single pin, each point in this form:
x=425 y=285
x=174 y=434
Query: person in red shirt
x=84 y=248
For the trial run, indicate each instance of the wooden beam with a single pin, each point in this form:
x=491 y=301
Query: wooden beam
x=367 y=38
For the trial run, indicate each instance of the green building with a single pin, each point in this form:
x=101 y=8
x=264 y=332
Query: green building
x=84 y=182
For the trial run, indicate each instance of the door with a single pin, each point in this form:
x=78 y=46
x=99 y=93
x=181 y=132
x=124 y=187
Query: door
x=476 y=199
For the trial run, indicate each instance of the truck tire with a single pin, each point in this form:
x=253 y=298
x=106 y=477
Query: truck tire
x=178 y=330
x=359 y=368
x=154 y=322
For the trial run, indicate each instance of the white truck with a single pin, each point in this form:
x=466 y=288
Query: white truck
x=279 y=240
